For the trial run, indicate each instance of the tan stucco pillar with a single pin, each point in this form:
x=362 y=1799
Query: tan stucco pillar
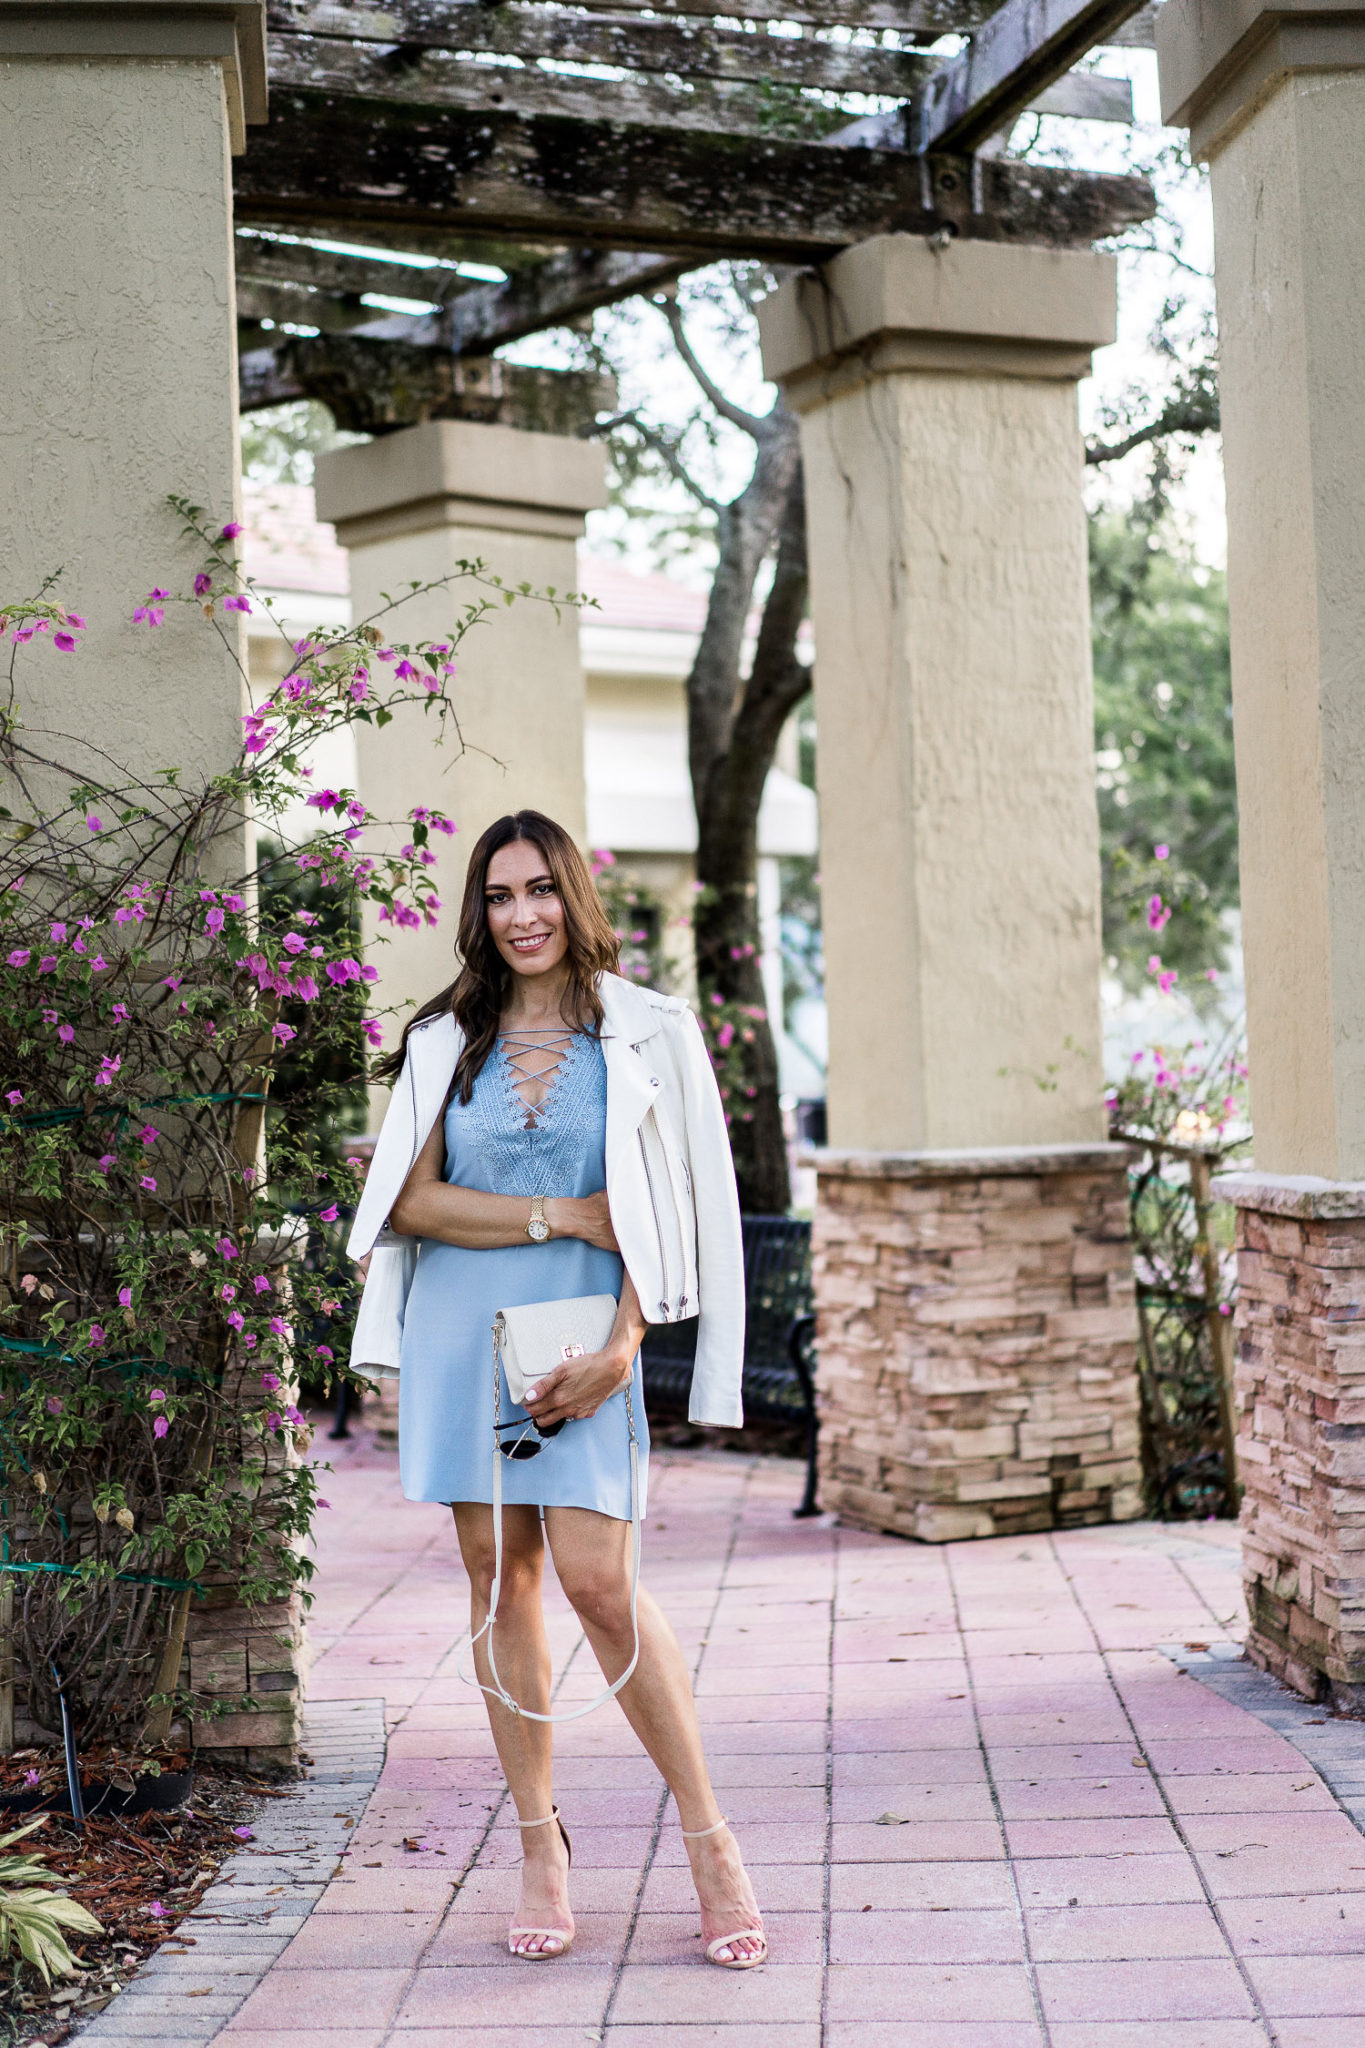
x=972 y=1272
x=958 y=832
x=410 y=507
x=118 y=365
x=118 y=387
x=1275 y=100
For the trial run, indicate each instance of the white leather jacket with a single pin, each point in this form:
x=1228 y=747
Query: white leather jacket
x=670 y=1187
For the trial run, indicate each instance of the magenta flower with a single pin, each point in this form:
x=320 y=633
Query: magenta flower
x=161 y=1427
x=31 y=1778
x=236 y=1319
x=157 y=1910
x=65 y=1033
x=104 y=1163
x=157 y=1394
x=231 y=530
x=94 y=824
x=261 y=1284
x=227 y=1248
x=325 y=1352
x=324 y=1503
x=151 y=613
x=214 y=920
x=125 y=1297
x=53 y=1405
x=341 y=971
x=228 y=1292
x=273 y=1420
x=279 y=1326
x=15 y=1097
x=20 y=957
x=405 y=672
x=237 y=604
x=283 y=1032
x=244 y=1834
x=373 y=1033
x=329 y=1214
x=58 y=933
x=149 y=1183
x=1166 y=981
x=48 y=963
x=65 y=641
x=149 y=1134
x=1162 y=852
x=97 y=1336
x=294 y=943
x=270 y=1381
x=120 y=1013
x=109 y=1067
x=324 y=800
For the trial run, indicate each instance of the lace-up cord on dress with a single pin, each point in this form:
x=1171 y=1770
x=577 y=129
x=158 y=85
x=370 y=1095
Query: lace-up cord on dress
x=532 y=1149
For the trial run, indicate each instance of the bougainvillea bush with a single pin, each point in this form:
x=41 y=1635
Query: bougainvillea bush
x=155 y=978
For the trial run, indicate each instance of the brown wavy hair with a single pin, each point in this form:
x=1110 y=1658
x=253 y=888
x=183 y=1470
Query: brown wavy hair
x=478 y=995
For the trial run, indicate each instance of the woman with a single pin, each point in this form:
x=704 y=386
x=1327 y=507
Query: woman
x=556 y=1132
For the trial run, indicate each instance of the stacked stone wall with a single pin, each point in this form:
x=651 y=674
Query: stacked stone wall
x=977 y=1343
x=1300 y=1383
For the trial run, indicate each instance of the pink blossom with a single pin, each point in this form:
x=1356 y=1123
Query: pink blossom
x=94 y=824
x=65 y=641
x=270 y=1381
x=405 y=672
x=294 y=943
x=273 y=1420
x=231 y=530
x=283 y=1032
x=325 y=1351
x=237 y=1319
x=227 y=1248
x=306 y=989
x=1162 y=852
x=151 y=613
x=279 y=1327
x=237 y=603
x=1166 y=981
x=20 y=957
x=53 y=1405
x=157 y=1394
x=329 y=1214
x=261 y=1284
x=103 y=1164
x=160 y=1427
x=57 y=934
x=148 y=1183
x=15 y=1097
x=203 y=583
x=109 y=1067
x=1157 y=915
x=1211 y=974
x=244 y=1834
x=149 y=1134
x=125 y=1297
x=214 y=920
x=65 y=1033
x=48 y=964
x=324 y=1503
x=97 y=1335
x=75 y=621
x=373 y=1034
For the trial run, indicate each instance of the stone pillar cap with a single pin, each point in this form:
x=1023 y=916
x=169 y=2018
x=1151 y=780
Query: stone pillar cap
x=232 y=30
x=462 y=473
x=1306 y=1196
x=1218 y=59
x=902 y=302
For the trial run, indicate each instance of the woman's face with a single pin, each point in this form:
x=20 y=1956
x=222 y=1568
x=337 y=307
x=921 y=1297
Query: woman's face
x=523 y=910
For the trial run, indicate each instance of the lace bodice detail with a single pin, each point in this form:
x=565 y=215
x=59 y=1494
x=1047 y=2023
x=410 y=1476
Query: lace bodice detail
x=538 y=1150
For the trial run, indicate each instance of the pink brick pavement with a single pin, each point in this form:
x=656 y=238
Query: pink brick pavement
x=981 y=1809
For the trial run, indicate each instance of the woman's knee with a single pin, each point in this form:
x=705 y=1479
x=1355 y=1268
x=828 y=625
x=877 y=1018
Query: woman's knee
x=599 y=1597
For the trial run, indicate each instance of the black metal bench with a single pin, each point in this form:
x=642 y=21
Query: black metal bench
x=779 y=1346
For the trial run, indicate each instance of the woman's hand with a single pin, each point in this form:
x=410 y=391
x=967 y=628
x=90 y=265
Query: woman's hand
x=585 y=1216
x=573 y=1392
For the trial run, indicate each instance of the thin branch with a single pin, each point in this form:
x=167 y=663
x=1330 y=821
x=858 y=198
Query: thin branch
x=750 y=423
x=1198 y=415
x=667 y=454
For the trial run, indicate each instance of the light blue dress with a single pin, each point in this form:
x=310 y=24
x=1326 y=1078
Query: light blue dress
x=445 y=1402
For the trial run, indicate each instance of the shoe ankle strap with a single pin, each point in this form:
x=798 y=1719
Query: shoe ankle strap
x=544 y=1821
x=696 y=1834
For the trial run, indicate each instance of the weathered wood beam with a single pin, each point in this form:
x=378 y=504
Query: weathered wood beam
x=562 y=289
x=1138 y=33
x=428 y=22
x=655 y=189
x=687 y=46
x=303 y=305
x=374 y=387
x=1024 y=48
x=1087 y=96
x=296 y=263
x=435 y=78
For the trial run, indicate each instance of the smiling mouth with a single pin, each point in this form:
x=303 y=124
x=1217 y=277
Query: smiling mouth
x=533 y=944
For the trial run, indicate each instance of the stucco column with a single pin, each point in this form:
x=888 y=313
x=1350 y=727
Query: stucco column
x=411 y=507
x=973 y=1279
x=118 y=387
x=1275 y=100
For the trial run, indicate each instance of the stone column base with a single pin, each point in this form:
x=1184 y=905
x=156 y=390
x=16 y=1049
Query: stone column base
x=1300 y=1386
x=977 y=1339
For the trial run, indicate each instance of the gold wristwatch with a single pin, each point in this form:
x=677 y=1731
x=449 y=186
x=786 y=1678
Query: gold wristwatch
x=538 y=1229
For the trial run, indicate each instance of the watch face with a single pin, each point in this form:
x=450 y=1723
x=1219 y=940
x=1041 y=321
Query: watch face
x=538 y=1230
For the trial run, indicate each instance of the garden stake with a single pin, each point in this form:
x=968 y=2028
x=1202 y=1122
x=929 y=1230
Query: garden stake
x=73 y=1776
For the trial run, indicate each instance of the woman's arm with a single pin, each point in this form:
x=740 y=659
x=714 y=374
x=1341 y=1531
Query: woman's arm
x=573 y=1392
x=429 y=1207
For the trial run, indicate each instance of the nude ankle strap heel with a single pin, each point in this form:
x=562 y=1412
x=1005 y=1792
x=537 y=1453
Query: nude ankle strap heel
x=556 y=1934
x=741 y=1933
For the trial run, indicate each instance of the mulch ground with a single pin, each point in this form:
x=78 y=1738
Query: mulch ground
x=138 y=1875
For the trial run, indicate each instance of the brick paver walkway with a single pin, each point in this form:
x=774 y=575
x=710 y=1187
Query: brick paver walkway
x=982 y=1809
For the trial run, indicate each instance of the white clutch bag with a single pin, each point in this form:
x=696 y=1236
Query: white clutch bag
x=534 y=1339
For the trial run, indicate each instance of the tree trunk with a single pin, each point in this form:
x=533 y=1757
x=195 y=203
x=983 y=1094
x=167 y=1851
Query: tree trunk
x=734 y=731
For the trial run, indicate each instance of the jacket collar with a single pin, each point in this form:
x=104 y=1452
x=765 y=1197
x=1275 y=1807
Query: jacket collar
x=625 y=1011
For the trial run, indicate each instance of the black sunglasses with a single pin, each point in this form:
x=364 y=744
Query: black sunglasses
x=532 y=1440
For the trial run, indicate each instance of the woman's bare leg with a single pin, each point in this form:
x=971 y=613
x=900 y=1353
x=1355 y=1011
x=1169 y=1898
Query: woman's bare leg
x=592 y=1558
x=523 y=1747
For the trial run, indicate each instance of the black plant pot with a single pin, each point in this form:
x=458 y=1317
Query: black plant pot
x=151 y=1793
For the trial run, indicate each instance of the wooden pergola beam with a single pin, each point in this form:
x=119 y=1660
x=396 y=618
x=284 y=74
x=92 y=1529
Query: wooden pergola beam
x=325 y=157
x=435 y=23
x=686 y=46
x=373 y=387
x=1024 y=48
x=436 y=78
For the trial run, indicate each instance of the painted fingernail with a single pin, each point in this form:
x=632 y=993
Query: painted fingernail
x=533 y=1393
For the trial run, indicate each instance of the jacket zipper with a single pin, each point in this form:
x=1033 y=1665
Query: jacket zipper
x=664 y=1308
